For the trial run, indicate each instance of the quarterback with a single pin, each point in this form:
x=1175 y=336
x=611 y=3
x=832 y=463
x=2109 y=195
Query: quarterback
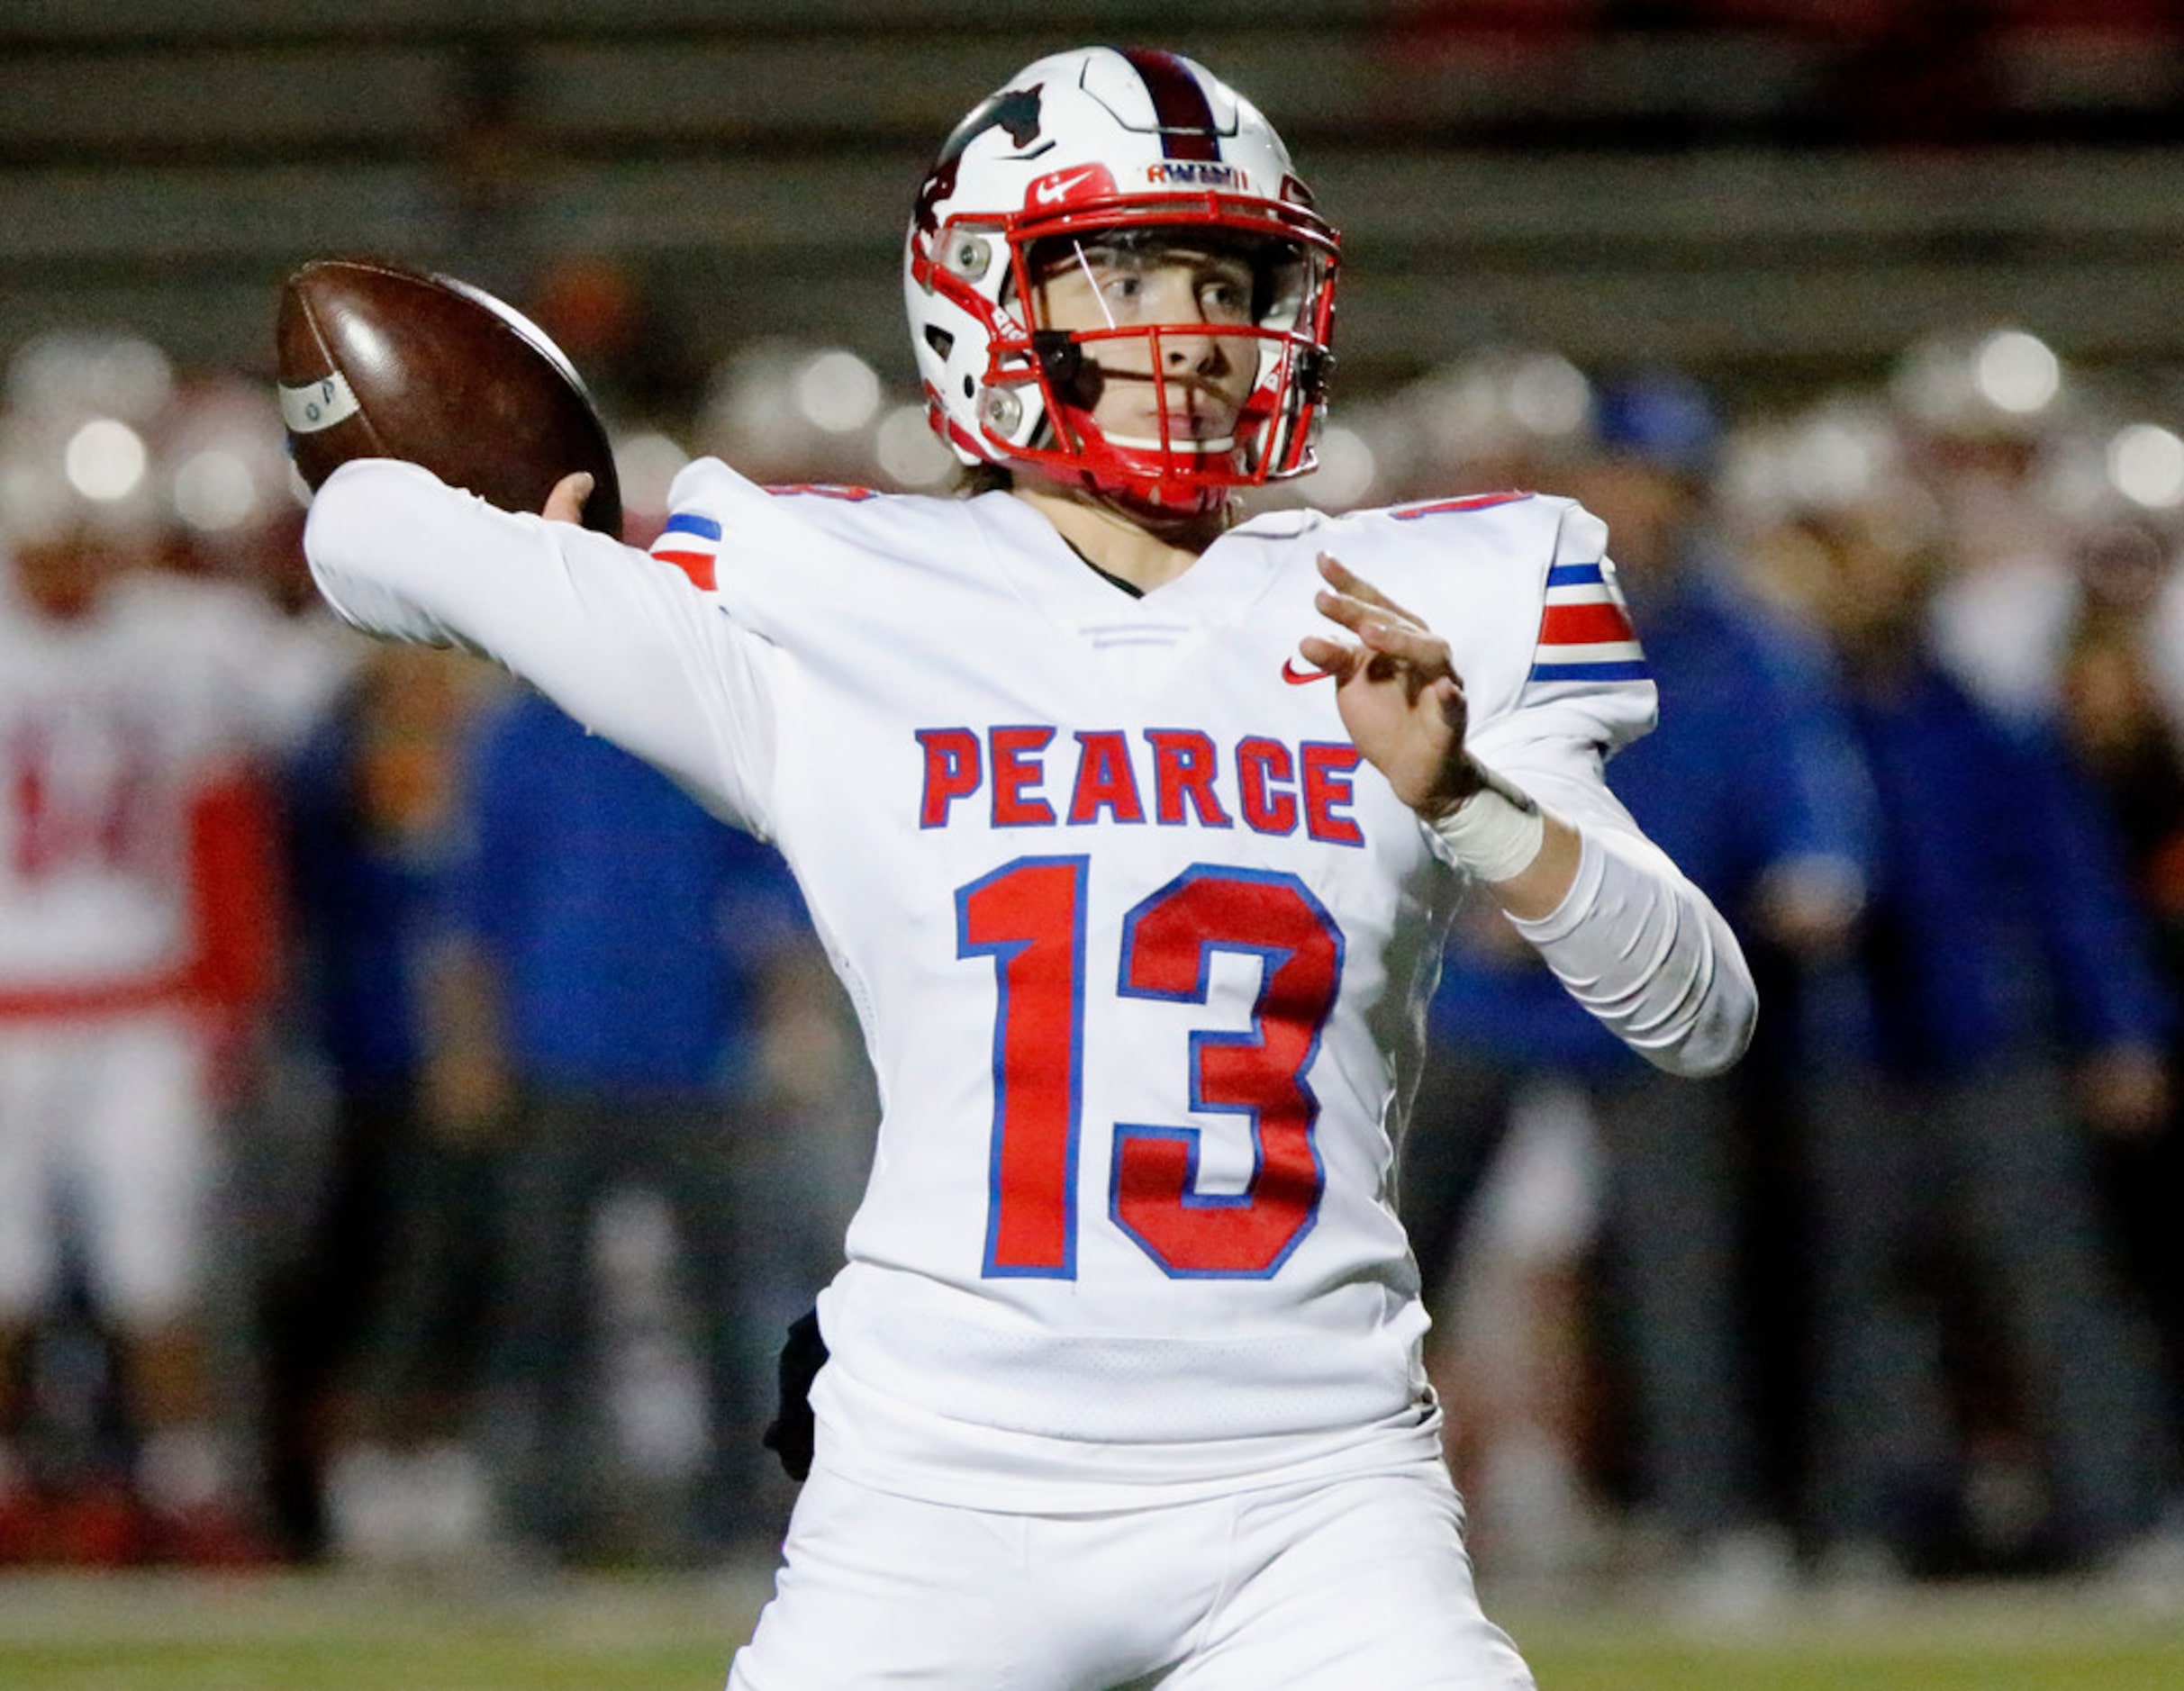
x=1133 y=830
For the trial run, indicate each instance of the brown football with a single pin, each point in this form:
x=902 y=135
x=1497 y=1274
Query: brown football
x=376 y=360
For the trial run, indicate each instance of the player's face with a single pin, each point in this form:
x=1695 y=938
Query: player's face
x=1182 y=290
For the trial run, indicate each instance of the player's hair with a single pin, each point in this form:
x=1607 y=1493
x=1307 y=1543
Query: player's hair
x=973 y=479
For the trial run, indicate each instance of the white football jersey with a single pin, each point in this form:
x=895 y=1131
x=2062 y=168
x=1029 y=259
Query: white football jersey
x=1139 y=944
x=109 y=727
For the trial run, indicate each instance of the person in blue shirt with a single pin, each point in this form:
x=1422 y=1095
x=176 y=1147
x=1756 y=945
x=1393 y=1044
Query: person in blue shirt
x=1751 y=783
x=2131 y=748
x=2013 y=1005
x=371 y=1324
x=618 y=947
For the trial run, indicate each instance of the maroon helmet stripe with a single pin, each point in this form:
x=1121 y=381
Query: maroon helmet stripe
x=1179 y=104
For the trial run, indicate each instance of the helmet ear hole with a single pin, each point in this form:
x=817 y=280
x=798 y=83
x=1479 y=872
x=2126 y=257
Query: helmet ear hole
x=970 y=256
x=1001 y=411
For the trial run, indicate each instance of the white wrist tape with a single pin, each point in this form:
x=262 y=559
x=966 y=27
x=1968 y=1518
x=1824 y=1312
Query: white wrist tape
x=1495 y=834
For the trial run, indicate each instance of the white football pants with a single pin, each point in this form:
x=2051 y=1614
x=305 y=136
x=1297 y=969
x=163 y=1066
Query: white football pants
x=108 y=1118
x=1336 y=1586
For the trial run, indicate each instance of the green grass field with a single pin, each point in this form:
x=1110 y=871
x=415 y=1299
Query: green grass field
x=347 y=1633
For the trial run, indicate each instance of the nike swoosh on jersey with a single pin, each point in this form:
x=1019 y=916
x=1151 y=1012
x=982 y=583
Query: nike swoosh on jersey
x=1297 y=677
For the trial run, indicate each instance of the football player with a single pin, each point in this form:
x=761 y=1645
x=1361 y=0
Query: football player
x=136 y=707
x=1133 y=829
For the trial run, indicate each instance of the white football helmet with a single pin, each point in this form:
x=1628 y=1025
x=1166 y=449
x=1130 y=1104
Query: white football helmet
x=1095 y=147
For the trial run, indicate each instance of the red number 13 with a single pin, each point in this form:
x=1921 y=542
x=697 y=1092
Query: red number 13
x=1029 y=916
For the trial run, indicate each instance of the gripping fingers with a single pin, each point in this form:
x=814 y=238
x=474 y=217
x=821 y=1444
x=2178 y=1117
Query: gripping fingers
x=1357 y=614
x=1420 y=650
x=566 y=502
x=1335 y=656
x=1383 y=629
x=1349 y=584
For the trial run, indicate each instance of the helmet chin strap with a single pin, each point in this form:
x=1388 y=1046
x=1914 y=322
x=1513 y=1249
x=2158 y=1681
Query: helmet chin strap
x=1162 y=508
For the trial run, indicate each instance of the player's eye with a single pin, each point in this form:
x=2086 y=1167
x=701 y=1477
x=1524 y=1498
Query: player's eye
x=1224 y=302
x=1225 y=292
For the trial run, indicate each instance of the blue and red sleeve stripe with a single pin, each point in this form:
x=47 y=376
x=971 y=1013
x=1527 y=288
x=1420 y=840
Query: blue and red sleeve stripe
x=689 y=542
x=1585 y=633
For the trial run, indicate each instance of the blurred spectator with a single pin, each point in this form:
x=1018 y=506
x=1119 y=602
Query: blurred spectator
x=2002 y=946
x=374 y=1317
x=132 y=705
x=784 y=412
x=1979 y=412
x=619 y=943
x=237 y=502
x=2116 y=722
x=1750 y=784
x=1505 y=417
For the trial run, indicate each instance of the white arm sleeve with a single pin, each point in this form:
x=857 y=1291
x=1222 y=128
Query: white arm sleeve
x=1634 y=941
x=1650 y=956
x=623 y=643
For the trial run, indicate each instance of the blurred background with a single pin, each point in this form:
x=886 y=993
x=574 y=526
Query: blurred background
x=1857 y=322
